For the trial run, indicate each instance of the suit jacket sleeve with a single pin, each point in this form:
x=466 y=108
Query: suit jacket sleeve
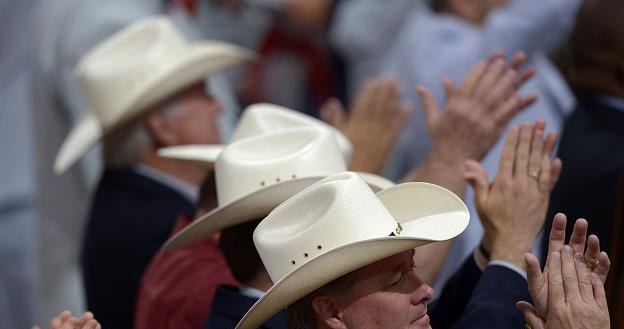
x=472 y=299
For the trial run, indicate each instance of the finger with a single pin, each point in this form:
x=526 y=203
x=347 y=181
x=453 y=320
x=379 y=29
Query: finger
x=556 y=294
x=599 y=292
x=71 y=323
x=501 y=90
x=525 y=76
x=429 y=104
x=86 y=316
x=579 y=235
x=537 y=163
x=592 y=252
x=489 y=79
x=568 y=272
x=333 y=112
x=555 y=172
x=477 y=177
x=58 y=321
x=507 y=110
x=402 y=117
x=91 y=324
x=522 y=153
x=449 y=88
x=518 y=60
x=534 y=274
x=365 y=99
x=392 y=100
x=545 y=175
x=557 y=236
x=549 y=144
x=381 y=97
x=508 y=156
x=530 y=315
x=471 y=80
x=604 y=263
x=584 y=282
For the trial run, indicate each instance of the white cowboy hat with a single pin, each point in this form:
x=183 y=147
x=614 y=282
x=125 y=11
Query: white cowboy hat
x=339 y=225
x=256 y=174
x=134 y=69
x=257 y=119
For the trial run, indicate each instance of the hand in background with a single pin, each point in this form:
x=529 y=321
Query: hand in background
x=65 y=320
x=372 y=125
x=513 y=207
x=478 y=111
x=576 y=296
x=598 y=262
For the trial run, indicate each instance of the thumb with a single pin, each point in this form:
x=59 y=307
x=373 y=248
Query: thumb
x=477 y=177
x=333 y=112
x=429 y=104
x=530 y=315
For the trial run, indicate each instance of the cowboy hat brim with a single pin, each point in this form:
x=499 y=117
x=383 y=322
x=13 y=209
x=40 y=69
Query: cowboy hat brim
x=201 y=154
x=253 y=206
x=201 y=60
x=436 y=216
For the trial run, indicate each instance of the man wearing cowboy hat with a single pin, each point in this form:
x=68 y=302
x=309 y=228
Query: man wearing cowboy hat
x=145 y=89
x=341 y=257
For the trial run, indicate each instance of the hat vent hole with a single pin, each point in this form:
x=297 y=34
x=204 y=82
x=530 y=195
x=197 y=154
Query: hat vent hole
x=262 y=183
x=305 y=255
x=319 y=247
x=278 y=179
x=294 y=176
x=293 y=262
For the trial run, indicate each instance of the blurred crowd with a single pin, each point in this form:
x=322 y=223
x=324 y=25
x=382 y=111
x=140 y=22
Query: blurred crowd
x=312 y=164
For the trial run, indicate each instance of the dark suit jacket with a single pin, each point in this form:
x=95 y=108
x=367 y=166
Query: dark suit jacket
x=131 y=217
x=479 y=300
x=593 y=159
x=229 y=306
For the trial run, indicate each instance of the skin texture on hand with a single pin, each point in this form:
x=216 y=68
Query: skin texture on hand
x=580 y=244
x=576 y=296
x=372 y=124
x=65 y=320
x=475 y=115
x=513 y=207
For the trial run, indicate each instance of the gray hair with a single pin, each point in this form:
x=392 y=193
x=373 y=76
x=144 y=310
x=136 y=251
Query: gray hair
x=301 y=315
x=125 y=146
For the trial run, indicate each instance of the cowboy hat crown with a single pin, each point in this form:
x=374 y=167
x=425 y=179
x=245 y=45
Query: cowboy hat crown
x=135 y=69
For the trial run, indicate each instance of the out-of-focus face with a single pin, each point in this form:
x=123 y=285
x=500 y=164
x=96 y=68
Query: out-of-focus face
x=195 y=119
x=386 y=295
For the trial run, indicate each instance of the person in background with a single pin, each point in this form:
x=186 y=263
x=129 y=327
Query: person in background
x=591 y=143
x=445 y=41
x=178 y=287
x=151 y=97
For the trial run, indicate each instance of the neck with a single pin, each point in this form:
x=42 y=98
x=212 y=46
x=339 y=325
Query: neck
x=185 y=171
x=262 y=281
x=468 y=11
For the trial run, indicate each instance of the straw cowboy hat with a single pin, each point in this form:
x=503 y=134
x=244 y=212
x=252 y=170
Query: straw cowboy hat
x=134 y=69
x=339 y=225
x=256 y=174
x=257 y=119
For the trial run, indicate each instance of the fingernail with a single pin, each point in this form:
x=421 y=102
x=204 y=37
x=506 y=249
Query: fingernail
x=579 y=258
x=567 y=249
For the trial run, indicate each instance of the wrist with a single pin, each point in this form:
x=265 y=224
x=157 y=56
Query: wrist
x=509 y=251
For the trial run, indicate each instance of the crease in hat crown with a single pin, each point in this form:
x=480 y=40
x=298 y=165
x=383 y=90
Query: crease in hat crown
x=135 y=68
x=331 y=213
x=252 y=164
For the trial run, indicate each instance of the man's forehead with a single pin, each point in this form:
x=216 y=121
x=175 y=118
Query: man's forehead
x=389 y=264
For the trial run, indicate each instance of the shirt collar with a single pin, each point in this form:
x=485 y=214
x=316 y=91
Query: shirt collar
x=189 y=191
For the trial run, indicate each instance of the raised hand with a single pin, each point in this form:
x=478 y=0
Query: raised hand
x=372 y=125
x=596 y=261
x=576 y=295
x=513 y=207
x=478 y=111
x=65 y=320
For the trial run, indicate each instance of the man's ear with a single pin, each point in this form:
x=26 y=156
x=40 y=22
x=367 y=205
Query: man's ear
x=161 y=131
x=328 y=312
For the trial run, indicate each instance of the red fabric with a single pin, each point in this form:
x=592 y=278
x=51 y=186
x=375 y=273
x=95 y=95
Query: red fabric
x=178 y=286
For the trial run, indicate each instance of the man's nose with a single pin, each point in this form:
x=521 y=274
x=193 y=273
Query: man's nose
x=422 y=292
